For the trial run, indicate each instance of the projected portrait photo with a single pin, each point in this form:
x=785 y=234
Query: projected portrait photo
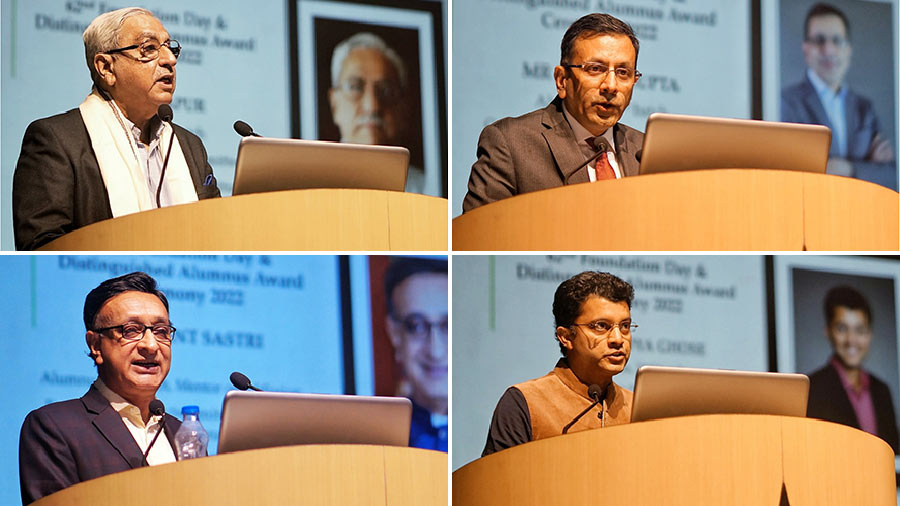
x=845 y=338
x=371 y=80
x=837 y=62
x=410 y=333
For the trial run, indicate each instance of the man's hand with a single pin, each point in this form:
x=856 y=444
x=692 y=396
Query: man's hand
x=839 y=167
x=881 y=150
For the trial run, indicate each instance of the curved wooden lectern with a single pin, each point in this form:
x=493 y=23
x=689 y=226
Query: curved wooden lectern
x=309 y=474
x=319 y=219
x=695 y=460
x=723 y=209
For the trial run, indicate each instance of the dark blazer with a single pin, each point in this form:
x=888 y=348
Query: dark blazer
x=800 y=104
x=535 y=152
x=68 y=442
x=57 y=185
x=828 y=400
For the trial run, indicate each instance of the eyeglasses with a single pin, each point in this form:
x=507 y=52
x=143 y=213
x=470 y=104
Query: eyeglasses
x=150 y=49
x=355 y=88
x=133 y=331
x=601 y=70
x=602 y=328
x=419 y=327
x=821 y=40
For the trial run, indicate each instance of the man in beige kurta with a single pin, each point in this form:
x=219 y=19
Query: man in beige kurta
x=593 y=327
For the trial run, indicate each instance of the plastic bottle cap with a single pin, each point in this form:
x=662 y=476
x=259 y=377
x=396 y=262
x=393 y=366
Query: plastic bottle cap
x=190 y=410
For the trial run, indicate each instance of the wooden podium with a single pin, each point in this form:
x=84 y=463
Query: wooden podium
x=723 y=209
x=310 y=474
x=755 y=460
x=297 y=220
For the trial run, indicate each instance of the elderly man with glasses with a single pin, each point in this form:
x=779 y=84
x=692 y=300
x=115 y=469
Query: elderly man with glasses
x=113 y=155
x=578 y=137
x=111 y=428
x=593 y=328
x=369 y=96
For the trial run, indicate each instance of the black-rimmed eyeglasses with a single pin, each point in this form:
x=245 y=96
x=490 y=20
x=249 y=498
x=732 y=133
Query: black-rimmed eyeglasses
x=133 y=331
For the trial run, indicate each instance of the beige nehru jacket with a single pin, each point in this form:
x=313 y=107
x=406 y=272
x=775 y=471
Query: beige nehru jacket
x=555 y=399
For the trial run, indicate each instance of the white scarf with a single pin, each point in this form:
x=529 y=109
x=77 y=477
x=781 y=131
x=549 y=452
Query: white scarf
x=124 y=177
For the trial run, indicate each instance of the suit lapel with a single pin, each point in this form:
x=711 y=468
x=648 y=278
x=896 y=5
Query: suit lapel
x=851 y=105
x=171 y=426
x=562 y=144
x=628 y=164
x=814 y=105
x=113 y=429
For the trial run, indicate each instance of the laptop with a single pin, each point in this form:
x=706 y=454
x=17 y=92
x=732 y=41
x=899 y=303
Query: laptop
x=676 y=142
x=252 y=420
x=266 y=164
x=662 y=392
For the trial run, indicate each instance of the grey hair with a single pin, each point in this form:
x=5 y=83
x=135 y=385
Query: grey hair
x=103 y=35
x=364 y=40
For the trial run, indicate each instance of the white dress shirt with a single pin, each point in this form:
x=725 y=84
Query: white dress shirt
x=162 y=452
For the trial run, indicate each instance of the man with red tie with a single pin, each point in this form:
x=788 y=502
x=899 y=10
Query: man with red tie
x=549 y=147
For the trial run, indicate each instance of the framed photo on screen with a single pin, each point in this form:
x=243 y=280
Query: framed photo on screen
x=374 y=74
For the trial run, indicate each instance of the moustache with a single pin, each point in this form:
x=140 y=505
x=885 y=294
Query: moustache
x=369 y=119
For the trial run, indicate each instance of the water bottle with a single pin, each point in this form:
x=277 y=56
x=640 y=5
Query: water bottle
x=191 y=438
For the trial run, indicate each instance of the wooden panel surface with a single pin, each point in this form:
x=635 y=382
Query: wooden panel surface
x=827 y=463
x=300 y=220
x=712 y=459
x=421 y=480
x=309 y=474
x=708 y=210
x=848 y=214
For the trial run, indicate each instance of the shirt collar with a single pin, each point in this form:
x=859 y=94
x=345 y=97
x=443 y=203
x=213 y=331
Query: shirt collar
x=842 y=373
x=135 y=131
x=123 y=407
x=822 y=88
x=582 y=133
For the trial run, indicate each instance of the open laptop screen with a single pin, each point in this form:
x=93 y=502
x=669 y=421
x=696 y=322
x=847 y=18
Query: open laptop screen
x=252 y=420
x=268 y=164
x=662 y=392
x=676 y=142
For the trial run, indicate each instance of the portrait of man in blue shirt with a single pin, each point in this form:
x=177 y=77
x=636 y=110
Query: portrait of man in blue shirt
x=859 y=147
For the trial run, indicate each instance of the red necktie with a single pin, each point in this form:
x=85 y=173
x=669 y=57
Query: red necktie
x=602 y=167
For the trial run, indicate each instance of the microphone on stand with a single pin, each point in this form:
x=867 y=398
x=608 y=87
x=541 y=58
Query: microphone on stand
x=594 y=392
x=242 y=382
x=244 y=130
x=165 y=114
x=602 y=148
x=157 y=408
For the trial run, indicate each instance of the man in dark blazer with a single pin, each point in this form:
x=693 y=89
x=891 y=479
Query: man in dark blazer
x=858 y=146
x=59 y=184
x=110 y=428
x=416 y=323
x=551 y=147
x=843 y=391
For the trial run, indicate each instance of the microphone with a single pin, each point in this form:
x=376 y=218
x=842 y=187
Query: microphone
x=157 y=408
x=602 y=149
x=242 y=382
x=594 y=392
x=244 y=130
x=165 y=114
